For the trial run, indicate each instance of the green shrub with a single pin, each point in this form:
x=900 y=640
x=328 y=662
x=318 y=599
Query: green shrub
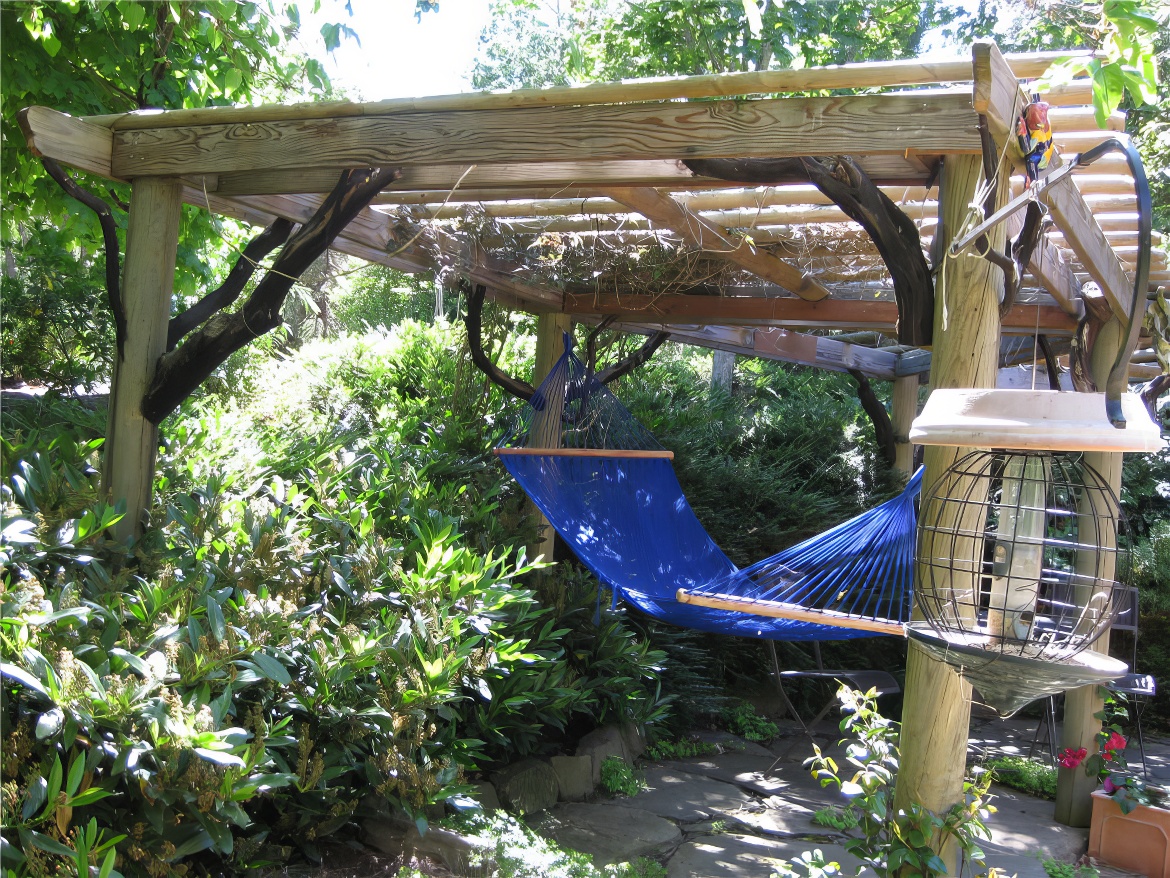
x=891 y=841
x=661 y=751
x=313 y=614
x=619 y=779
x=743 y=720
x=1028 y=775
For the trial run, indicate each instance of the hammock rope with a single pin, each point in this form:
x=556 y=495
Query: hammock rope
x=609 y=489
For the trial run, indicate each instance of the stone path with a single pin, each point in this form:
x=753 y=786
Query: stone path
x=738 y=813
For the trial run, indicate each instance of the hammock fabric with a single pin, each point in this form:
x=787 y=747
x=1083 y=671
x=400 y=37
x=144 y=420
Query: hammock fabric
x=609 y=490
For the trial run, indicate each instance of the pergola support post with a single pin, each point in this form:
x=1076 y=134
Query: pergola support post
x=937 y=712
x=152 y=239
x=550 y=330
x=1074 y=788
x=904 y=409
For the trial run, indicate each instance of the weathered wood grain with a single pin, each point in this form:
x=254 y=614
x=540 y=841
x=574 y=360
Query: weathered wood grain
x=856 y=126
x=67 y=140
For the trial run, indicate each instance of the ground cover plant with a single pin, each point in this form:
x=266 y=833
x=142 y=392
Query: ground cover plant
x=1027 y=775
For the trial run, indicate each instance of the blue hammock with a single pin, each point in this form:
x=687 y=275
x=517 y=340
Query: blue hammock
x=609 y=489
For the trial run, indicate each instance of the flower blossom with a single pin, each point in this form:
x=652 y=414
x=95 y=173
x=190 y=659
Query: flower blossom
x=1070 y=758
x=1115 y=744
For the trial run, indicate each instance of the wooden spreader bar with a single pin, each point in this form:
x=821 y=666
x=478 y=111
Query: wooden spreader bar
x=583 y=452
x=781 y=610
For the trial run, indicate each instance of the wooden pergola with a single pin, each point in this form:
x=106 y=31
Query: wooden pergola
x=485 y=183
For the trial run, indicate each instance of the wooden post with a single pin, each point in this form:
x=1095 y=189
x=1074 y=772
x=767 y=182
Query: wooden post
x=722 y=371
x=152 y=239
x=905 y=407
x=1074 y=805
x=937 y=712
x=550 y=329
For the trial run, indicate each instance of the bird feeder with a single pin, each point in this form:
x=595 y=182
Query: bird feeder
x=1017 y=544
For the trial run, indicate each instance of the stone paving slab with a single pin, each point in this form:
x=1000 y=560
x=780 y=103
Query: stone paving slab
x=609 y=832
x=680 y=795
x=730 y=855
x=1023 y=825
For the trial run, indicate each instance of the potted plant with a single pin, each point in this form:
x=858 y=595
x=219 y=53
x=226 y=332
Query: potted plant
x=1130 y=827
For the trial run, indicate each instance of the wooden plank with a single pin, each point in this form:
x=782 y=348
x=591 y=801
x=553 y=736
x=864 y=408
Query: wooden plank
x=831 y=313
x=67 y=140
x=855 y=125
x=709 y=237
x=545 y=180
x=864 y=75
x=152 y=240
x=779 y=610
x=1074 y=217
x=999 y=98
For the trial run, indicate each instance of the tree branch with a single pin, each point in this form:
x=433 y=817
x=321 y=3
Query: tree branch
x=227 y=292
x=883 y=428
x=850 y=188
x=1050 y=363
x=182 y=370
x=113 y=249
x=473 y=320
x=634 y=360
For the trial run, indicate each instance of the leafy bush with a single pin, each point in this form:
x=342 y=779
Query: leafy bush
x=55 y=324
x=619 y=779
x=335 y=615
x=1027 y=775
x=743 y=720
x=892 y=841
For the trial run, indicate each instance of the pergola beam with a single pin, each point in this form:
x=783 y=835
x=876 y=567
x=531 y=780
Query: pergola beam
x=874 y=124
x=710 y=238
x=787 y=312
x=999 y=98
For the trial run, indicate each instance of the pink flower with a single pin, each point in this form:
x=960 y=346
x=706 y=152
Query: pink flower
x=1115 y=743
x=1072 y=758
x=1110 y=786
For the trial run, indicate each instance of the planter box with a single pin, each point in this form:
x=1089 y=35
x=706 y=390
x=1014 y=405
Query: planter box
x=1138 y=841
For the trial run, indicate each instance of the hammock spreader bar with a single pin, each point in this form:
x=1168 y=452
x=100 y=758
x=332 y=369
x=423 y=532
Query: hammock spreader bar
x=780 y=610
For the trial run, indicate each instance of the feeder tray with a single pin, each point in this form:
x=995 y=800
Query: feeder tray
x=1008 y=682
x=1047 y=420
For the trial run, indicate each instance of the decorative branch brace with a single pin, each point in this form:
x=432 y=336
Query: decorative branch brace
x=522 y=389
x=184 y=368
x=894 y=234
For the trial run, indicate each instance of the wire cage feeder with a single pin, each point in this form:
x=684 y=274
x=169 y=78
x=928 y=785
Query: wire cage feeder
x=1017 y=549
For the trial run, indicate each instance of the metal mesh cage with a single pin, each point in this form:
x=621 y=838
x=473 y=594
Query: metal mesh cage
x=1017 y=554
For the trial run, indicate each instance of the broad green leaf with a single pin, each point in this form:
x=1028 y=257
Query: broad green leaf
x=23 y=678
x=49 y=723
x=49 y=845
x=227 y=760
x=271 y=668
x=76 y=773
x=215 y=619
x=137 y=664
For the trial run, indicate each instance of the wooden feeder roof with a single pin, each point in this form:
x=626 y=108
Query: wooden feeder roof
x=577 y=199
